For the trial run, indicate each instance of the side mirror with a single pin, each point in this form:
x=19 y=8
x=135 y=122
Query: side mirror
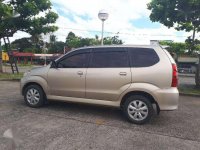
x=53 y=64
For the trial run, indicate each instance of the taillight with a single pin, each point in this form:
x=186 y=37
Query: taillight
x=174 y=76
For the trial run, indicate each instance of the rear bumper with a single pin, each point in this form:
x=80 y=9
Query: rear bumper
x=167 y=99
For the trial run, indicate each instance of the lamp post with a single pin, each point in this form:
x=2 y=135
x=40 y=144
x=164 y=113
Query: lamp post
x=103 y=15
x=46 y=39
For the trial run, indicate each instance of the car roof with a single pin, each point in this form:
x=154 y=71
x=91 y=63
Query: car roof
x=114 y=46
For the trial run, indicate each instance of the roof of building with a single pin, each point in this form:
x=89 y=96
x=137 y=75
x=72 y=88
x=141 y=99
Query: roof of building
x=23 y=54
x=188 y=59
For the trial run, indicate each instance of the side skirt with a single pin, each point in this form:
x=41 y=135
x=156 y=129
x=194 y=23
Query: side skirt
x=84 y=100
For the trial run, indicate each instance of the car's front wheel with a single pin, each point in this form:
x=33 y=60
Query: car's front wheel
x=138 y=109
x=34 y=96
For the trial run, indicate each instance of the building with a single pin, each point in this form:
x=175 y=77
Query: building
x=26 y=57
x=187 y=64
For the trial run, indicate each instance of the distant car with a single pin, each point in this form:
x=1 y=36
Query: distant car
x=185 y=70
x=133 y=78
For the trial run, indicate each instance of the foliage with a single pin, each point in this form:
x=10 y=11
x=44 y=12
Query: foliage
x=184 y=13
x=181 y=14
x=52 y=39
x=27 y=45
x=21 y=44
x=73 y=41
x=192 y=45
x=33 y=17
x=34 y=44
x=112 y=40
x=174 y=47
x=57 y=47
x=5 y=10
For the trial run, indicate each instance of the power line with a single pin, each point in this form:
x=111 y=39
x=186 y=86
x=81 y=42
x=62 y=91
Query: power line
x=121 y=33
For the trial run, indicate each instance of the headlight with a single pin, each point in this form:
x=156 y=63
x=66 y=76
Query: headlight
x=27 y=73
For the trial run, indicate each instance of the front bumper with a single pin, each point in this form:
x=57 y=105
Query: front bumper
x=22 y=83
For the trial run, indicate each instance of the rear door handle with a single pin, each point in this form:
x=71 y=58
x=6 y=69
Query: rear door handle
x=122 y=73
x=80 y=73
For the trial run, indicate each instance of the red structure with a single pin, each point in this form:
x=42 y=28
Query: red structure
x=25 y=57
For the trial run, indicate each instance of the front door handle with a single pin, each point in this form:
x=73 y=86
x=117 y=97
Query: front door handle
x=80 y=73
x=122 y=73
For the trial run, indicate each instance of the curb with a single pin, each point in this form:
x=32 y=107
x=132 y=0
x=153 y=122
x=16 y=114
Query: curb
x=189 y=76
x=192 y=95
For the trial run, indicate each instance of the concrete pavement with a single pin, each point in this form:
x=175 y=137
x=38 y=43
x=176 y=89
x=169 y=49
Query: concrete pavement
x=62 y=125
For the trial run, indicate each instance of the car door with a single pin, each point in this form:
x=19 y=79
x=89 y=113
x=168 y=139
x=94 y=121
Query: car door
x=68 y=78
x=108 y=73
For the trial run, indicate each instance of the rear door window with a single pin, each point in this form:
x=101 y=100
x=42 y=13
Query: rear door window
x=143 y=57
x=109 y=58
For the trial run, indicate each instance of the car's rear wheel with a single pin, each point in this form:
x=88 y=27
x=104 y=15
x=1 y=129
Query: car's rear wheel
x=138 y=109
x=34 y=96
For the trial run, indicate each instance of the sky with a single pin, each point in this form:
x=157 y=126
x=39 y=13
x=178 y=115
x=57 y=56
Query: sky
x=128 y=19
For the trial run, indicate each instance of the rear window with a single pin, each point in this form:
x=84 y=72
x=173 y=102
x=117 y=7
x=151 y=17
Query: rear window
x=143 y=57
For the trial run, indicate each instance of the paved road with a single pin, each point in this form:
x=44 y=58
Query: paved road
x=74 y=126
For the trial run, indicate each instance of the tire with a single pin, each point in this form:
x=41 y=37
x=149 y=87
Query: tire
x=138 y=109
x=34 y=96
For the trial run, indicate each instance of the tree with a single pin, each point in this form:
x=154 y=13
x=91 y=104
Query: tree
x=22 y=44
x=52 y=39
x=175 y=47
x=24 y=15
x=5 y=12
x=112 y=40
x=37 y=43
x=31 y=16
x=57 y=47
x=181 y=14
x=73 y=41
x=32 y=44
x=192 y=45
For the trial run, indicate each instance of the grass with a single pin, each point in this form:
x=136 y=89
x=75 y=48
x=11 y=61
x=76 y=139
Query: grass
x=190 y=90
x=19 y=65
x=24 y=65
x=10 y=76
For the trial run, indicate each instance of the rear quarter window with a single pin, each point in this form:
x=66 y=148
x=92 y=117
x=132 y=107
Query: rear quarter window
x=143 y=57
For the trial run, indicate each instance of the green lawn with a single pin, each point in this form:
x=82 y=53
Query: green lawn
x=10 y=76
x=190 y=90
x=24 y=65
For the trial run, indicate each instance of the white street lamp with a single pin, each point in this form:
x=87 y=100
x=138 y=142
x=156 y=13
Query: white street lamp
x=46 y=40
x=103 y=15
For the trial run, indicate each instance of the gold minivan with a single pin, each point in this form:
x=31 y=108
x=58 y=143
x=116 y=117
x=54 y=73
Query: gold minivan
x=140 y=80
